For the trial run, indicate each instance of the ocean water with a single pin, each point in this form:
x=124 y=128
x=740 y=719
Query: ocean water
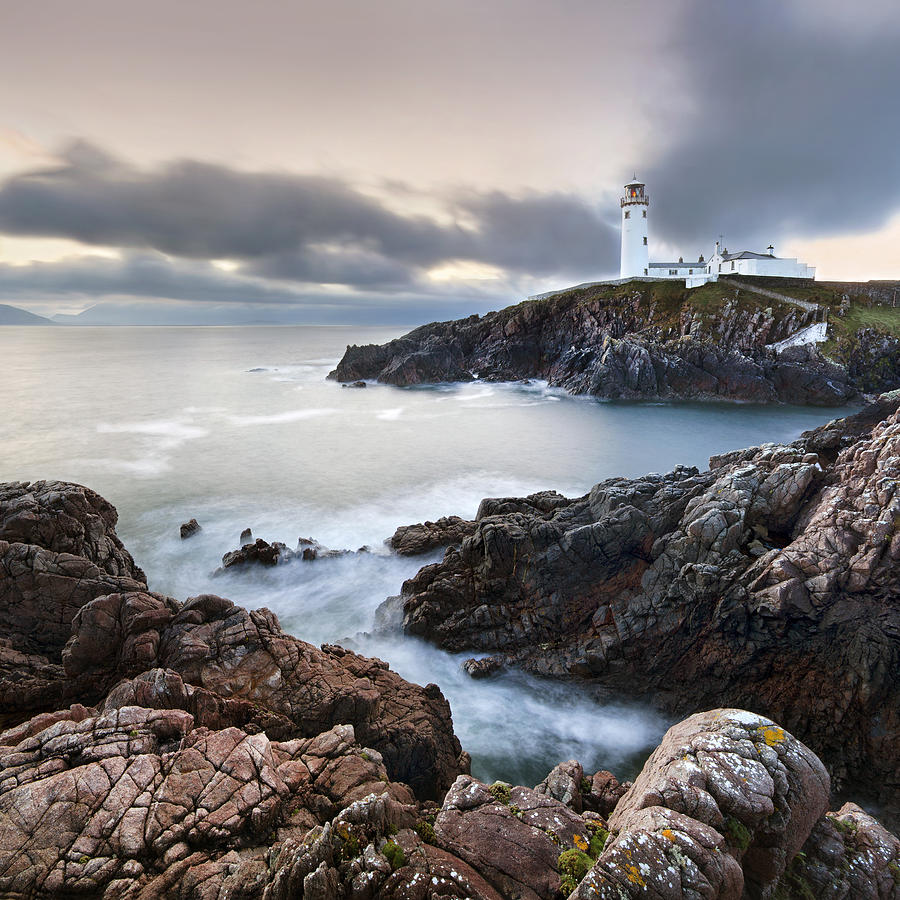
x=239 y=428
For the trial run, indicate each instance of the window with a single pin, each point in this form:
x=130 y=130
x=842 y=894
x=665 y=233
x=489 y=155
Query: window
x=732 y=265
x=645 y=271
x=673 y=271
x=690 y=271
x=645 y=242
x=627 y=213
x=644 y=213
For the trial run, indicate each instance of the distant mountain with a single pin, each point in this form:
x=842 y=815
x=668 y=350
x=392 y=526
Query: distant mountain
x=12 y=315
x=162 y=313
x=174 y=313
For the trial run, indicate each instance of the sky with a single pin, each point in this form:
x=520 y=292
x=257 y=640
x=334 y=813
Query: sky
x=403 y=161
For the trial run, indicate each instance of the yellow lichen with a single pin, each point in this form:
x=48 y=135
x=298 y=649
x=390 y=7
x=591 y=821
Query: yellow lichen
x=634 y=876
x=668 y=833
x=579 y=842
x=772 y=734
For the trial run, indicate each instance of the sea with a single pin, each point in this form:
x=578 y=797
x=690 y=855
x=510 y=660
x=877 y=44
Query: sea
x=239 y=428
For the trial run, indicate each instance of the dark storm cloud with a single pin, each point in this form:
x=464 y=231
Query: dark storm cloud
x=794 y=127
x=302 y=228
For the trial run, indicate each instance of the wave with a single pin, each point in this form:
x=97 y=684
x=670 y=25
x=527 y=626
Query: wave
x=390 y=415
x=292 y=415
x=168 y=428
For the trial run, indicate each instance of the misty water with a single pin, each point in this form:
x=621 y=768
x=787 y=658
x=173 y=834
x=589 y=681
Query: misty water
x=239 y=428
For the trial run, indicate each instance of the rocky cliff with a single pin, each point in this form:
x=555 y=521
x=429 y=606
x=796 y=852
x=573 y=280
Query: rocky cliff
x=209 y=755
x=639 y=341
x=770 y=581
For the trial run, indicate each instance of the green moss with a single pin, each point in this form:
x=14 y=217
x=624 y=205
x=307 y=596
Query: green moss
x=573 y=865
x=425 y=830
x=599 y=836
x=365 y=756
x=348 y=844
x=894 y=868
x=394 y=854
x=794 y=884
x=392 y=829
x=737 y=834
x=500 y=791
x=845 y=827
x=586 y=786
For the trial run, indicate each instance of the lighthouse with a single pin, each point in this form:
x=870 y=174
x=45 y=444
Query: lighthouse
x=635 y=261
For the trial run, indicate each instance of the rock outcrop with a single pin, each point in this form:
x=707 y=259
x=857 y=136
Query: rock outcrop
x=771 y=581
x=65 y=518
x=189 y=529
x=637 y=341
x=212 y=756
x=153 y=794
x=58 y=550
x=260 y=552
x=412 y=540
x=71 y=631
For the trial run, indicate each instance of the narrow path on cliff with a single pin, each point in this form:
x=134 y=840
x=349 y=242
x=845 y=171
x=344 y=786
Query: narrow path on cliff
x=774 y=295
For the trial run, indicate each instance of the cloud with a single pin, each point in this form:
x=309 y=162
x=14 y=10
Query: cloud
x=139 y=275
x=299 y=228
x=151 y=288
x=792 y=127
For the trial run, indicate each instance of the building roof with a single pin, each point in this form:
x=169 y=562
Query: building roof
x=747 y=254
x=677 y=265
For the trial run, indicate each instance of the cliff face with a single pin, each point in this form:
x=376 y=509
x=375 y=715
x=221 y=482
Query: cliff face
x=637 y=341
x=771 y=581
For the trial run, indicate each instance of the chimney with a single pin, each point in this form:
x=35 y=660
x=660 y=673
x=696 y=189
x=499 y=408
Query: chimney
x=771 y=250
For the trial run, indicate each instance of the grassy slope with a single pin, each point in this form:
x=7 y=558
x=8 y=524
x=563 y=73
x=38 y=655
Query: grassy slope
x=863 y=312
x=671 y=296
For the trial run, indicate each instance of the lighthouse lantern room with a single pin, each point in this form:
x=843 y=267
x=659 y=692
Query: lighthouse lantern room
x=635 y=261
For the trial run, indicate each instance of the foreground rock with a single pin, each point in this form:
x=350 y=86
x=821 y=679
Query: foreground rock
x=71 y=632
x=212 y=756
x=771 y=581
x=639 y=341
x=148 y=799
x=58 y=550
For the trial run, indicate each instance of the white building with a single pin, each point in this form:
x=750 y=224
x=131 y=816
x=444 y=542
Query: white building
x=635 y=257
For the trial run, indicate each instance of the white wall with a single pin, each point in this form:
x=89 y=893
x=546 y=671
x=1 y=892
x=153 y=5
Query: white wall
x=635 y=252
x=772 y=267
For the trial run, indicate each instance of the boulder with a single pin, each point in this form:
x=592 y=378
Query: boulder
x=244 y=655
x=189 y=529
x=511 y=835
x=722 y=807
x=65 y=518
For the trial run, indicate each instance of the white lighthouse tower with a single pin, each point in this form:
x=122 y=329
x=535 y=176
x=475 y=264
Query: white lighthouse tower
x=635 y=260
